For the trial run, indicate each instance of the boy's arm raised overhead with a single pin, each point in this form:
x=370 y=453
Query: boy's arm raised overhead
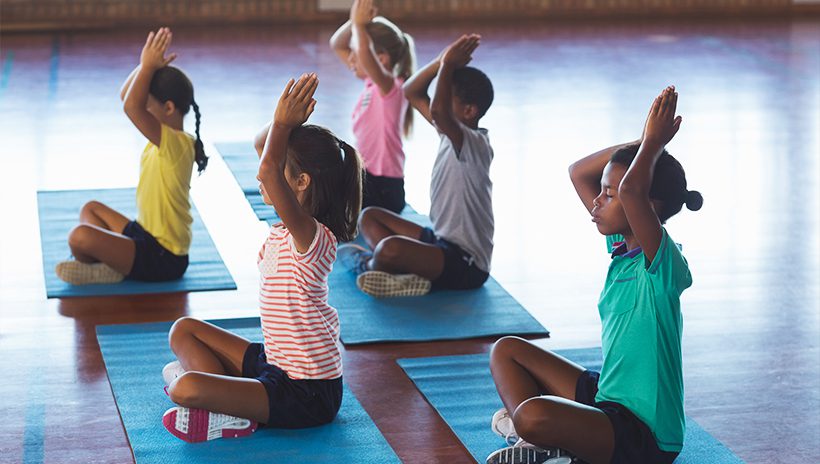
x=586 y=173
x=661 y=126
x=456 y=56
x=415 y=89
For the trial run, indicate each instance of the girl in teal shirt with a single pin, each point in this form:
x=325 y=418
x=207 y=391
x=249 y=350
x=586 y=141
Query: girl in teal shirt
x=632 y=411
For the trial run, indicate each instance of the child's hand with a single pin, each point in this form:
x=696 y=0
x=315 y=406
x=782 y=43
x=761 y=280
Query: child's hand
x=153 y=53
x=362 y=12
x=460 y=52
x=296 y=103
x=662 y=124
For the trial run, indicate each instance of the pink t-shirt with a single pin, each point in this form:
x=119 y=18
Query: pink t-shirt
x=378 y=121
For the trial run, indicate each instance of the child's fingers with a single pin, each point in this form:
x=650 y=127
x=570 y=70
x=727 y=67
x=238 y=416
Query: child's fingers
x=310 y=89
x=150 y=39
x=304 y=85
x=170 y=58
x=298 y=86
x=287 y=90
x=310 y=108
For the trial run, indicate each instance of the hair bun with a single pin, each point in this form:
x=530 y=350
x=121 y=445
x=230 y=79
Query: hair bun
x=694 y=200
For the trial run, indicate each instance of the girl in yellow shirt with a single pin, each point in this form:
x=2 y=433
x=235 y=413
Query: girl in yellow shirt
x=108 y=246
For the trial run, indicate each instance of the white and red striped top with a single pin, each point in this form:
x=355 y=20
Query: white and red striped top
x=301 y=330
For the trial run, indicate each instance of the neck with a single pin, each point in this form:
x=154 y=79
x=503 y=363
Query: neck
x=174 y=121
x=631 y=242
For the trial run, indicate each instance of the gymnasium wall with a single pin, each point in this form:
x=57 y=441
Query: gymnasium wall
x=17 y=15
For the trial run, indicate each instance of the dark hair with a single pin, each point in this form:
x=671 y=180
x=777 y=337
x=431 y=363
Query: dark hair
x=334 y=195
x=388 y=38
x=171 y=84
x=473 y=87
x=668 y=182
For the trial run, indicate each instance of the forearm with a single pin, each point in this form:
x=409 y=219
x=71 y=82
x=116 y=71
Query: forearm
x=340 y=40
x=590 y=168
x=417 y=86
x=127 y=84
x=638 y=178
x=137 y=95
x=261 y=137
x=441 y=106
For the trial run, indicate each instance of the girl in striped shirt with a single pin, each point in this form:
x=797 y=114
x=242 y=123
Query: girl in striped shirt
x=224 y=384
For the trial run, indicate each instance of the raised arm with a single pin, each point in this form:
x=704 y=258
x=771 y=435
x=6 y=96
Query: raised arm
x=127 y=84
x=340 y=41
x=586 y=173
x=136 y=98
x=456 y=56
x=415 y=89
x=261 y=138
x=661 y=127
x=294 y=107
x=361 y=13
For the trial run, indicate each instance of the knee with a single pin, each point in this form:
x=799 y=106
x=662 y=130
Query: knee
x=81 y=237
x=535 y=419
x=369 y=216
x=505 y=348
x=90 y=207
x=185 y=390
x=388 y=251
x=182 y=328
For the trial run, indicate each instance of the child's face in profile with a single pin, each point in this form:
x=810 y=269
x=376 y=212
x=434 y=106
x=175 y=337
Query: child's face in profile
x=607 y=212
x=465 y=113
x=293 y=183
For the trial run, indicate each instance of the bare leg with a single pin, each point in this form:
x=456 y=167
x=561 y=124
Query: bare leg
x=523 y=373
x=402 y=255
x=204 y=347
x=100 y=215
x=235 y=396
x=378 y=223
x=91 y=243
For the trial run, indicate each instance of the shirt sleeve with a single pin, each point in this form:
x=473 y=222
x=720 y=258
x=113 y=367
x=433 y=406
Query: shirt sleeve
x=175 y=145
x=322 y=248
x=669 y=267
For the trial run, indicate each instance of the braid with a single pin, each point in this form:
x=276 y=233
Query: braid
x=199 y=149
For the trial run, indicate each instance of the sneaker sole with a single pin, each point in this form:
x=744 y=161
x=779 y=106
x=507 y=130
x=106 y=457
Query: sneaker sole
x=382 y=284
x=77 y=273
x=198 y=426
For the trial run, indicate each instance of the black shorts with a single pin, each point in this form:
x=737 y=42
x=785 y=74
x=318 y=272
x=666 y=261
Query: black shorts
x=634 y=441
x=292 y=404
x=460 y=271
x=152 y=262
x=384 y=192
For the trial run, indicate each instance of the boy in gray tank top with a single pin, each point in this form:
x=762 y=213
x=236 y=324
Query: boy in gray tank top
x=406 y=258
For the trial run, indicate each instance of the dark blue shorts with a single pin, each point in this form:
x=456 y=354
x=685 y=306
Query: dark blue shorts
x=152 y=262
x=292 y=404
x=634 y=442
x=460 y=271
x=384 y=192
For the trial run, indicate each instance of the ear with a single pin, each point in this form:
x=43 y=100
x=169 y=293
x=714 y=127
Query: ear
x=470 y=112
x=384 y=59
x=303 y=182
x=168 y=108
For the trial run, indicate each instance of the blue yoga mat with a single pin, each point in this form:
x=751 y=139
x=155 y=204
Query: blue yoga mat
x=440 y=315
x=243 y=163
x=59 y=213
x=462 y=391
x=134 y=356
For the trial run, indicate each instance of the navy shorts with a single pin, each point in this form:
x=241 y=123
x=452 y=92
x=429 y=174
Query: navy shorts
x=384 y=192
x=460 y=271
x=634 y=441
x=152 y=262
x=292 y=404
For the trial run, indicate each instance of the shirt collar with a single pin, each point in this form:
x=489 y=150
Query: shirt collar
x=619 y=249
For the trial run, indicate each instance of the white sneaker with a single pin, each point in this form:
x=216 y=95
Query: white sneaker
x=353 y=257
x=171 y=371
x=197 y=425
x=383 y=284
x=502 y=425
x=526 y=453
x=78 y=273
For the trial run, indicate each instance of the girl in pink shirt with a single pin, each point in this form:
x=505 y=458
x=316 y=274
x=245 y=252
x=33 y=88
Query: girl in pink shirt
x=225 y=385
x=384 y=57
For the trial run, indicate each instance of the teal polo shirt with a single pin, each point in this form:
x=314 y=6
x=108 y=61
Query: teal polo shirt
x=641 y=337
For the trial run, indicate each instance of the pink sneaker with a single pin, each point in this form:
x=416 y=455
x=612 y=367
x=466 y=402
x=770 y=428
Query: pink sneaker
x=196 y=425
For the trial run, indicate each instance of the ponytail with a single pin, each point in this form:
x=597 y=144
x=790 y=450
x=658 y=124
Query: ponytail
x=199 y=149
x=352 y=179
x=405 y=68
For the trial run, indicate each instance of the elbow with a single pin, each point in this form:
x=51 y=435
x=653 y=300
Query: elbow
x=631 y=189
x=438 y=114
